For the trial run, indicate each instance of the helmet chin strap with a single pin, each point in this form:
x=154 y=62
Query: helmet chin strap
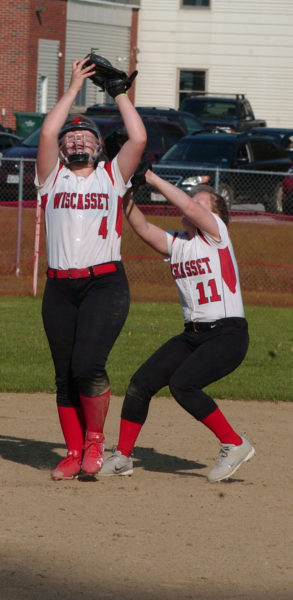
x=80 y=158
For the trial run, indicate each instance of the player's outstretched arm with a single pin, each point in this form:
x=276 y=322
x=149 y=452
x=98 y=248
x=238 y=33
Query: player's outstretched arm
x=154 y=236
x=193 y=211
x=131 y=152
x=48 y=145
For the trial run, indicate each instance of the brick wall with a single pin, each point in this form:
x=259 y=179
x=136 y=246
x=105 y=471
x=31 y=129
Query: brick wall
x=133 y=51
x=20 y=29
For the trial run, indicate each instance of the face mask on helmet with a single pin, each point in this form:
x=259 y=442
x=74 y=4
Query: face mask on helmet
x=79 y=143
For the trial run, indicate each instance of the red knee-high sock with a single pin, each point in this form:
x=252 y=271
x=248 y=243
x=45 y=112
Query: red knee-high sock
x=219 y=425
x=81 y=418
x=95 y=411
x=129 y=432
x=72 y=424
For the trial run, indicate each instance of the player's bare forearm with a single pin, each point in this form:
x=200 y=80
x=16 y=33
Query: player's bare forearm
x=194 y=212
x=131 y=152
x=176 y=196
x=134 y=215
x=133 y=123
x=48 y=144
x=56 y=117
x=151 y=234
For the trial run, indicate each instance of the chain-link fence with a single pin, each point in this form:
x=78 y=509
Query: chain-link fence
x=272 y=190
x=262 y=240
x=17 y=179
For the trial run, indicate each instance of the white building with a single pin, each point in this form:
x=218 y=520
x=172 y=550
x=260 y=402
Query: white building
x=219 y=46
x=105 y=26
x=222 y=46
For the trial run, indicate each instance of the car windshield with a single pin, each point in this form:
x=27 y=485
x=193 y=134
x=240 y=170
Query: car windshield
x=210 y=109
x=32 y=139
x=198 y=150
x=191 y=124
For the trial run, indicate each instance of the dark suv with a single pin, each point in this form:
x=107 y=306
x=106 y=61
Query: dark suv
x=161 y=135
x=185 y=120
x=244 y=168
x=232 y=112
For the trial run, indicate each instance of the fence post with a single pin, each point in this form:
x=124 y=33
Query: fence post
x=217 y=179
x=19 y=217
x=37 y=245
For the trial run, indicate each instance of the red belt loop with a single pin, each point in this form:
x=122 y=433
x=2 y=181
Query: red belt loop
x=93 y=271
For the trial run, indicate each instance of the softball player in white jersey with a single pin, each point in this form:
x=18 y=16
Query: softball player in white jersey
x=86 y=298
x=215 y=337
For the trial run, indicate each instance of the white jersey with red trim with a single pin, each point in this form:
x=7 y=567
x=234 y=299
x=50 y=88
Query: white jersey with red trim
x=83 y=215
x=206 y=274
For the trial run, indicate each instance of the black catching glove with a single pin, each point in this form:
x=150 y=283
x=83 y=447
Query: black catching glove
x=138 y=178
x=108 y=77
x=115 y=87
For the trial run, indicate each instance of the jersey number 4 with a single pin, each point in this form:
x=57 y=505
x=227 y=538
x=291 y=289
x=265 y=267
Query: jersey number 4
x=213 y=292
x=103 y=230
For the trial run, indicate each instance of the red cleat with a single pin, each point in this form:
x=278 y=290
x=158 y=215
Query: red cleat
x=93 y=457
x=69 y=467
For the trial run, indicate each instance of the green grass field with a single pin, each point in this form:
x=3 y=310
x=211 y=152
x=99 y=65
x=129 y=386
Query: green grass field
x=265 y=374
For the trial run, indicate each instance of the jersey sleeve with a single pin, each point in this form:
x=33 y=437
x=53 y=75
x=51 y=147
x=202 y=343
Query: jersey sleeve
x=223 y=231
x=114 y=173
x=43 y=187
x=170 y=235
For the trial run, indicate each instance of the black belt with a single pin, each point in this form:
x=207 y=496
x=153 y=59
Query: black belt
x=206 y=326
x=81 y=273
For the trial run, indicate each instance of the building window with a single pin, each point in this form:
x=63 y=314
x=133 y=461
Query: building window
x=191 y=82
x=196 y=3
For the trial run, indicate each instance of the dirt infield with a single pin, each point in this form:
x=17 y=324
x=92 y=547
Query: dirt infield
x=163 y=534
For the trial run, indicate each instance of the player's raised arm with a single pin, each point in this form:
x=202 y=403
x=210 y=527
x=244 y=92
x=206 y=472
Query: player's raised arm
x=117 y=83
x=154 y=236
x=48 y=149
x=130 y=154
x=197 y=209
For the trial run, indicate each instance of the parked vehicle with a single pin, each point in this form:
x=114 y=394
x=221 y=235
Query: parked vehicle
x=232 y=111
x=186 y=120
x=287 y=198
x=243 y=168
x=283 y=136
x=7 y=140
x=161 y=135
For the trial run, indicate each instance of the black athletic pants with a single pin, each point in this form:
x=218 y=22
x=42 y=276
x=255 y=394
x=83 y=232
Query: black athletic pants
x=187 y=363
x=82 y=319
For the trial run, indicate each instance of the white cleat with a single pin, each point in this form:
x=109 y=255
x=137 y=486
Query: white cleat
x=230 y=459
x=117 y=464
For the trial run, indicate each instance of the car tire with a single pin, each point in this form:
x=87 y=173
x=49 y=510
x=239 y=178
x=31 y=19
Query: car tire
x=288 y=204
x=227 y=193
x=275 y=204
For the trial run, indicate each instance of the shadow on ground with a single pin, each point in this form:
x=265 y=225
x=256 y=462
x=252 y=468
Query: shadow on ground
x=45 y=455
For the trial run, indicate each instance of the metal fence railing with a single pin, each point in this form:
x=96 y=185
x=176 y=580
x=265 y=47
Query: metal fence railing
x=272 y=190
x=262 y=240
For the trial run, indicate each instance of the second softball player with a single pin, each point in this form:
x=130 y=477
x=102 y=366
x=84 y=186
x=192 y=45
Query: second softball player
x=215 y=337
